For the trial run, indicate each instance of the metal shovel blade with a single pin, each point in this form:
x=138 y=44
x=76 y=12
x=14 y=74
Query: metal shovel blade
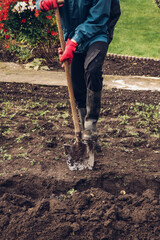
x=80 y=155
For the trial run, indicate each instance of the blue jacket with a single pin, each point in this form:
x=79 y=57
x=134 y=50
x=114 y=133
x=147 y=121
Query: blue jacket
x=88 y=21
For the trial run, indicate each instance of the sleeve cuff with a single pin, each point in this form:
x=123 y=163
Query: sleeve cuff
x=77 y=38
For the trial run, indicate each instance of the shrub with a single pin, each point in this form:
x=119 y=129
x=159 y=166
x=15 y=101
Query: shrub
x=21 y=21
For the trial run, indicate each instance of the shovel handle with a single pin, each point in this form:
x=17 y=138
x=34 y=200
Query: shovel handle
x=60 y=2
x=69 y=81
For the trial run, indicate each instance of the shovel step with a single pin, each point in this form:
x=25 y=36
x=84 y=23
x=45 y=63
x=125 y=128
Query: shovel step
x=80 y=155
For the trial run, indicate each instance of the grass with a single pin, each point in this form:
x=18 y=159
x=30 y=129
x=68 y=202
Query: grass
x=137 y=32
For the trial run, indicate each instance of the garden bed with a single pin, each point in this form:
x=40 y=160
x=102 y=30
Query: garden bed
x=40 y=198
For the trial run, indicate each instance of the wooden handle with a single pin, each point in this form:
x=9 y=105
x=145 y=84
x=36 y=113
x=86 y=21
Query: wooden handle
x=69 y=81
x=60 y=1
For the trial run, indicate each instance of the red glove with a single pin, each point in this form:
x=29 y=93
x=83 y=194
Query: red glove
x=70 y=48
x=46 y=5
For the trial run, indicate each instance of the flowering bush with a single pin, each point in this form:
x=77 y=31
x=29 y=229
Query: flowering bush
x=21 y=21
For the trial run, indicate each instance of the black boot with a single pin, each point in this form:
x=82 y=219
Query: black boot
x=93 y=102
x=82 y=114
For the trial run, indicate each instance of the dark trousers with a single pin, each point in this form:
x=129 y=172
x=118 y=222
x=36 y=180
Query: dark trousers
x=86 y=71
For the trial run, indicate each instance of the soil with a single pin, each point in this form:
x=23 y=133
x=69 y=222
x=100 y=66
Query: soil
x=41 y=199
x=113 y=64
x=116 y=65
x=124 y=66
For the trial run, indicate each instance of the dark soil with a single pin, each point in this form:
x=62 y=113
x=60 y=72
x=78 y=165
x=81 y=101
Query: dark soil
x=113 y=65
x=128 y=66
x=41 y=199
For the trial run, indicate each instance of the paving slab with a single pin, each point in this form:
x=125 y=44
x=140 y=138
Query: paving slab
x=12 y=72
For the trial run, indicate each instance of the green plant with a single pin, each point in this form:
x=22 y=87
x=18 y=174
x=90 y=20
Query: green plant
x=6 y=132
x=124 y=119
x=19 y=50
x=4 y=155
x=1 y=174
x=138 y=160
x=19 y=139
x=61 y=105
x=148 y=115
x=72 y=191
x=33 y=162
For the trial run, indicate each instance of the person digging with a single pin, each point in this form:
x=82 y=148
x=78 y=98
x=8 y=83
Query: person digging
x=88 y=27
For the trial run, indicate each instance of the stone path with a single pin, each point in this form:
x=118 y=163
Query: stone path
x=11 y=72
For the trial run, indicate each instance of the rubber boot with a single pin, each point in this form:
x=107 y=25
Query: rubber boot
x=93 y=102
x=82 y=114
